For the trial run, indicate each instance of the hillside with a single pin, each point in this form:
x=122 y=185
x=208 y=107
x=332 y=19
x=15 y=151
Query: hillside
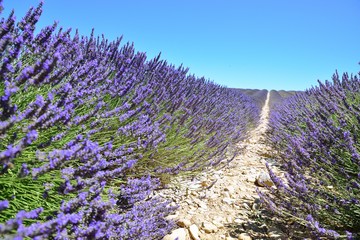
x=276 y=96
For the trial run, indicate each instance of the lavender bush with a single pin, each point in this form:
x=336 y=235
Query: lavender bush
x=87 y=126
x=315 y=134
x=258 y=96
x=277 y=97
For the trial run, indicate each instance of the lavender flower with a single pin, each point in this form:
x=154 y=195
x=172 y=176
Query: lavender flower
x=4 y=205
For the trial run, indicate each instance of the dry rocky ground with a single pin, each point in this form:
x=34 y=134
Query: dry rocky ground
x=223 y=204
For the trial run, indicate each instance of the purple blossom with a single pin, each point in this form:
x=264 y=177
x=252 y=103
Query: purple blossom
x=4 y=204
x=24 y=171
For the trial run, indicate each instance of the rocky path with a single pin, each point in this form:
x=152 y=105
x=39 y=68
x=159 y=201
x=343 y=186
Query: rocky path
x=221 y=204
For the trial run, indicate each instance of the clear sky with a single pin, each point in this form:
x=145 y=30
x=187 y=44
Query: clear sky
x=258 y=44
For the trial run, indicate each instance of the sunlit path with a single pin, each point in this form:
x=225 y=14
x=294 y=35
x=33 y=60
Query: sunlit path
x=259 y=131
x=219 y=203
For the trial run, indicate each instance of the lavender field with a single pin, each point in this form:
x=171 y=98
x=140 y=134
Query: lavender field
x=90 y=129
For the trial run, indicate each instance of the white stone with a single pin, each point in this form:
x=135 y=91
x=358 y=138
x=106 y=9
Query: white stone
x=191 y=212
x=194 y=232
x=184 y=223
x=202 y=205
x=244 y=236
x=251 y=179
x=226 y=194
x=213 y=195
x=218 y=224
x=263 y=179
x=209 y=227
x=195 y=186
x=229 y=219
x=173 y=216
x=228 y=201
x=179 y=234
x=246 y=206
x=238 y=221
x=219 y=219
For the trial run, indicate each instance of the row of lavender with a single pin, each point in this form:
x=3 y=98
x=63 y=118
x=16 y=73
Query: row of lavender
x=277 y=97
x=316 y=135
x=259 y=96
x=86 y=127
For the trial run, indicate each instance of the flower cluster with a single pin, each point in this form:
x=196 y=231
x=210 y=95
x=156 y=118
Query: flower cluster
x=315 y=134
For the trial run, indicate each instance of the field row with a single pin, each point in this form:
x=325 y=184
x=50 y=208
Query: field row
x=89 y=128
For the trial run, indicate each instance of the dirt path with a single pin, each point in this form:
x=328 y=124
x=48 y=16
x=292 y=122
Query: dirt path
x=219 y=204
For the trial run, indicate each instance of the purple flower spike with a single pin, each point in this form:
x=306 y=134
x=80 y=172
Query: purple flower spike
x=4 y=205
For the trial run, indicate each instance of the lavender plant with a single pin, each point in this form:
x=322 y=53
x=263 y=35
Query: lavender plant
x=258 y=96
x=277 y=97
x=315 y=134
x=86 y=126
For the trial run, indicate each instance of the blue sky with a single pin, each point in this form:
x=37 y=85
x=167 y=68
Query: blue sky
x=258 y=44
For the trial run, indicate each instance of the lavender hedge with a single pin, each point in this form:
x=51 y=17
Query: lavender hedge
x=258 y=96
x=87 y=126
x=316 y=138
